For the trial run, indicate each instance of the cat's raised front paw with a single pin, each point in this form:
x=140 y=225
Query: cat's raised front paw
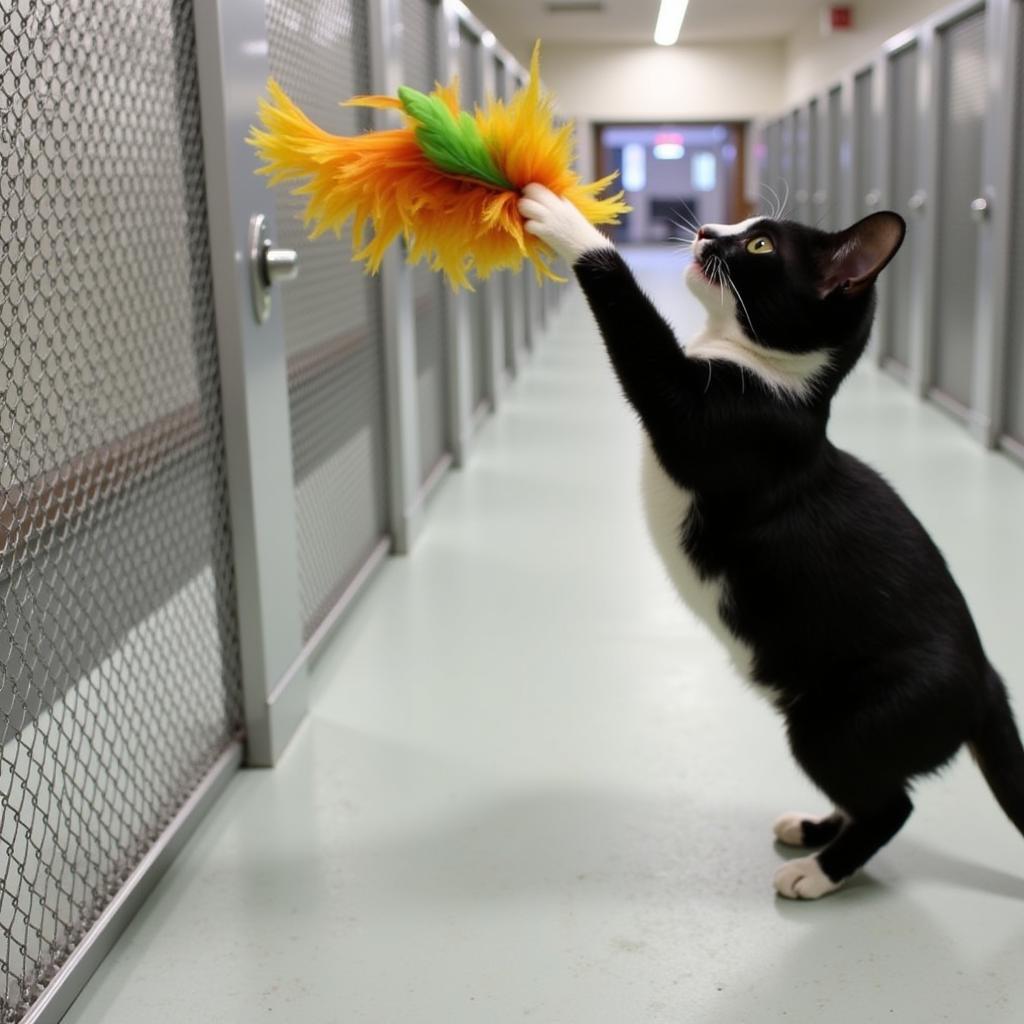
x=557 y=221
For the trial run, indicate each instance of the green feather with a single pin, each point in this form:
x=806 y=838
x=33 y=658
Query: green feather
x=454 y=144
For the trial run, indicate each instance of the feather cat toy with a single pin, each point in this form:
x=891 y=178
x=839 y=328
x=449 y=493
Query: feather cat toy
x=448 y=181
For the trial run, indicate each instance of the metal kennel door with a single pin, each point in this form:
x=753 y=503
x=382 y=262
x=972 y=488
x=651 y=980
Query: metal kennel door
x=831 y=184
x=421 y=70
x=814 y=196
x=1013 y=408
x=471 y=91
x=961 y=97
x=119 y=672
x=866 y=190
x=332 y=324
x=905 y=179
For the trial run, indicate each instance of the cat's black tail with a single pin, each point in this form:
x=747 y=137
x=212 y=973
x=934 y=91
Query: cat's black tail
x=998 y=750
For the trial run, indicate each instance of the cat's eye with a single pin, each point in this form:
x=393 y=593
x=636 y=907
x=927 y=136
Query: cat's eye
x=760 y=245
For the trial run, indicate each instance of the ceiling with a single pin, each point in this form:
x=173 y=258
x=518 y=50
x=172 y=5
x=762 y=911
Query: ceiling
x=518 y=22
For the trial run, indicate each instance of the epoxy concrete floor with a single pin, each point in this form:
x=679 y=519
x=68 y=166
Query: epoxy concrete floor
x=530 y=787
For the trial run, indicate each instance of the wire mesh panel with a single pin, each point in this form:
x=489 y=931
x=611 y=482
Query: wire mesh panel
x=904 y=174
x=962 y=94
x=331 y=313
x=1013 y=417
x=472 y=93
x=865 y=173
x=119 y=675
x=421 y=70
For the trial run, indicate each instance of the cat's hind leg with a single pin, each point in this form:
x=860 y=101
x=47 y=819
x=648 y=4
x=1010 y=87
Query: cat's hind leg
x=867 y=831
x=808 y=831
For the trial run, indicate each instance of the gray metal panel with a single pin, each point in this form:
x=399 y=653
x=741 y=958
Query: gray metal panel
x=812 y=180
x=865 y=154
x=1013 y=408
x=331 y=321
x=472 y=95
x=787 y=160
x=119 y=677
x=421 y=70
x=961 y=96
x=905 y=178
x=833 y=145
x=801 y=165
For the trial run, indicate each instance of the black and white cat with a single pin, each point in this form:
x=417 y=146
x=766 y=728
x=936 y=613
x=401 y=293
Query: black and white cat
x=825 y=588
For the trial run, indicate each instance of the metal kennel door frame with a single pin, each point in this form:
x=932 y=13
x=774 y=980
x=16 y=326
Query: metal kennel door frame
x=231 y=43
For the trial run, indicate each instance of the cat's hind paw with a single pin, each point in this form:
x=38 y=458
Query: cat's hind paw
x=803 y=879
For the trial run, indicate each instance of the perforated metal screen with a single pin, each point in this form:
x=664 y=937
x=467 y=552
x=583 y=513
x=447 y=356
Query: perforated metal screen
x=119 y=677
x=320 y=55
x=421 y=70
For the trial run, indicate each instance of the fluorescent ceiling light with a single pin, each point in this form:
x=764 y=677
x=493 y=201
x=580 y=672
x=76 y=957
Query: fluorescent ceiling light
x=670 y=21
x=669 y=151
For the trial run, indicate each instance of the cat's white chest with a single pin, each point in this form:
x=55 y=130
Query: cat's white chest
x=667 y=506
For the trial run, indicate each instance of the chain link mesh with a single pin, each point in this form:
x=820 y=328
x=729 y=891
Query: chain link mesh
x=331 y=312
x=119 y=674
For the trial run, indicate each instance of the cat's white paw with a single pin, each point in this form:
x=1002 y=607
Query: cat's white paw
x=557 y=221
x=803 y=879
x=789 y=828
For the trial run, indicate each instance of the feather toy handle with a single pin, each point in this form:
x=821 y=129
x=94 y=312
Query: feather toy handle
x=448 y=182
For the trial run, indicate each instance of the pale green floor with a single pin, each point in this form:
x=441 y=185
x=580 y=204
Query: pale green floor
x=531 y=789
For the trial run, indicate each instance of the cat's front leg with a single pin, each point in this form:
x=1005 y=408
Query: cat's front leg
x=664 y=387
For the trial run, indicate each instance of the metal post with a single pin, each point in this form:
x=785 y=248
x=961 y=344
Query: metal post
x=1003 y=33
x=231 y=44
x=460 y=384
x=397 y=308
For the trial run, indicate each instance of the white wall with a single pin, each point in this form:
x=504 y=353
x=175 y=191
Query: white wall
x=734 y=82
x=813 y=61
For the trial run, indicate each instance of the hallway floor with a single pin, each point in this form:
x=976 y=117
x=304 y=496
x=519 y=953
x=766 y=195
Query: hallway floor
x=530 y=787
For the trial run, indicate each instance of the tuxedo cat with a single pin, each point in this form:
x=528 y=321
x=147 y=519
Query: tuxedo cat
x=825 y=588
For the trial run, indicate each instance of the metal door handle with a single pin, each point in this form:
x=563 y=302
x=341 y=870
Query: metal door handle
x=873 y=199
x=917 y=201
x=980 y=209
x=267 y=265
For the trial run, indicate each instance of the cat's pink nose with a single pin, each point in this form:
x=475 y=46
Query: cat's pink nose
x=706 y=231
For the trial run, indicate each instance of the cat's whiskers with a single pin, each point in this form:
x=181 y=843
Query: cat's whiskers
x=743 y=305
x=785 y=201
x=774 y=198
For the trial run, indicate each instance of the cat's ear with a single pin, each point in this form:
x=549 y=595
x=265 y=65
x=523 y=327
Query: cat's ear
x=856 y=256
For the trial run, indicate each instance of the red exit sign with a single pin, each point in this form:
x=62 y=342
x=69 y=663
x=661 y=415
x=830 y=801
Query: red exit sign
x=837 y=18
